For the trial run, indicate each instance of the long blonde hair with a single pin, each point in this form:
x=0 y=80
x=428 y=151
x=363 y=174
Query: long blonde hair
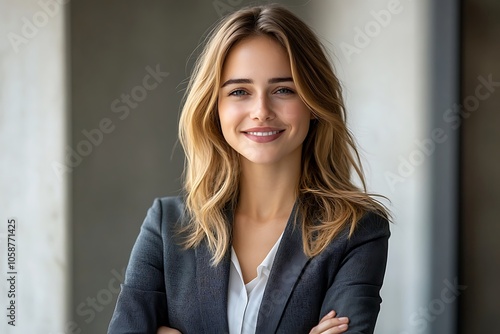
x=328 y=200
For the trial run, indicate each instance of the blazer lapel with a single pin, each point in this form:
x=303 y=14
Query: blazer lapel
x=212 y=290
x=288 y=264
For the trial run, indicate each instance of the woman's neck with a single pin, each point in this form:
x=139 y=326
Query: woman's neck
x=268 y=192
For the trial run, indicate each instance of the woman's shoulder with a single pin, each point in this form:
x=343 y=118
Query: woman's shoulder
x=372 y=225
x=374 y=220
x=169 y=200
x=168 y=207
x=165 y=213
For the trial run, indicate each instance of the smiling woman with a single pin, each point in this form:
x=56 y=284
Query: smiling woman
x=272 y=235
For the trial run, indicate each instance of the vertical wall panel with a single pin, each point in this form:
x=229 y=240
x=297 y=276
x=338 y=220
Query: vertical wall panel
x=480 y=163
x=443 y=89
x=33 y=127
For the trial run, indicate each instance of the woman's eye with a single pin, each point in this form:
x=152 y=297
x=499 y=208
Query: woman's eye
x=284 y=91
x=238 y=92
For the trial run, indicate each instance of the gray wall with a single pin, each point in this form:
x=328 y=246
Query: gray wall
x=444 y=92
x=112 y=45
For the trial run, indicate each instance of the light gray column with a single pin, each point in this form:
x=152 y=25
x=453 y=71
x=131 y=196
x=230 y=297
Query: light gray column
x=33 y=127
x=386 y=53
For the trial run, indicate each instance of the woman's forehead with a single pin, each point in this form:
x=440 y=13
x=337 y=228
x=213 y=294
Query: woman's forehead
x=257 y=56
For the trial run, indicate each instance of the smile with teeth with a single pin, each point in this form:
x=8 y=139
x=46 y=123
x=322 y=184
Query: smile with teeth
x=263 y=134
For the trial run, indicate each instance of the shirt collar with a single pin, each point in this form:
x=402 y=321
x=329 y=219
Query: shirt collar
x=265 y=266
x=267 y=263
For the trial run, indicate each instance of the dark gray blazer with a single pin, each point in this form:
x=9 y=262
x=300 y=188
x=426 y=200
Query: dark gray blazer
x=167 y=285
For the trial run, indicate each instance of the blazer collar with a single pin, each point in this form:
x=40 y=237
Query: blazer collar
x=212 y=284
x=288 y=264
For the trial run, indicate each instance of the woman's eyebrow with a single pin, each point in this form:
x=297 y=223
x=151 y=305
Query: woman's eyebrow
x=237 y=81
x=278 y=80
x=250 y=81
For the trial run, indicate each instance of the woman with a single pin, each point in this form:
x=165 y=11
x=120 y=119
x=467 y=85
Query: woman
x=272 y=236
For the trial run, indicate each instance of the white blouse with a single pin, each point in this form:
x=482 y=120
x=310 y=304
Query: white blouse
x=244 y=300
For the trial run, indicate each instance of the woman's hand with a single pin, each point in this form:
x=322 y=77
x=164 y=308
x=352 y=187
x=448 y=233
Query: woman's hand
x=168 y=330
x=331 y=325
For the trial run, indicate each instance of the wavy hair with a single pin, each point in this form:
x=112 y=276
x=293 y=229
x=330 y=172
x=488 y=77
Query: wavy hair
x=328 y=200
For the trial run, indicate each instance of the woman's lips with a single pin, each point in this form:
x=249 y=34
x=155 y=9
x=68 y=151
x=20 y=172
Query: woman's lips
x=263 y=135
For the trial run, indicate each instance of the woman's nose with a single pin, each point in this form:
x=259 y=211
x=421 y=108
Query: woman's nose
x=262 y=110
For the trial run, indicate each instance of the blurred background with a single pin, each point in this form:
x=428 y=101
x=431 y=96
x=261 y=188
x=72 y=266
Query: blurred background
x=90 y=93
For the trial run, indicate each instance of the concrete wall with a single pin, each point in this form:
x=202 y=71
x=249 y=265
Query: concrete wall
x=399 y=64
x=381 y=52
x=33 y=128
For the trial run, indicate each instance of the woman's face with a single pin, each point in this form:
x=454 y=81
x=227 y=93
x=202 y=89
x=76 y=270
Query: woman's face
x=261 y=115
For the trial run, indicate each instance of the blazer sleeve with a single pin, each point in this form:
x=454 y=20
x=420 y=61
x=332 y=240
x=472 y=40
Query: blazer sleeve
x=142 y=305
x=355 y=292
